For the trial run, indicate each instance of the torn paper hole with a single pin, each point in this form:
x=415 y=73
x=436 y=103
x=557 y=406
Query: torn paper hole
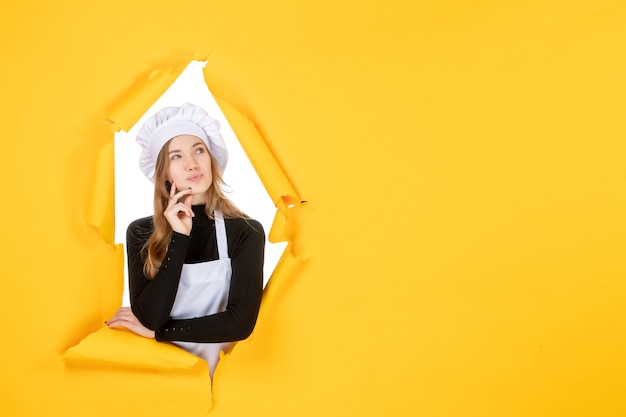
x=268 y=202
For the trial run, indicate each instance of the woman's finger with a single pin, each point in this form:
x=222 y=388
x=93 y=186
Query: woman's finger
x=177 y=208
x=124 y=317
x=188 y=201
x=121 y=313
x=172 y=190
x=176 y=197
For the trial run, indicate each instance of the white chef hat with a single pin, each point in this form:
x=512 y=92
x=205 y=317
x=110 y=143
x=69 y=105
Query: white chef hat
x=170 y=122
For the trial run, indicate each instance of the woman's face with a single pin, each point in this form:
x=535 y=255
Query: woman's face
x=189 y=166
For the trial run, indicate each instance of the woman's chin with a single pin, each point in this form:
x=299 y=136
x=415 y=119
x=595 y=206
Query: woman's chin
x=198 y=195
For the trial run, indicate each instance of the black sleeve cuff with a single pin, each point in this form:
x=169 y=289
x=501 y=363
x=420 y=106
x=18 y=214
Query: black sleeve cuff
x=172 y=330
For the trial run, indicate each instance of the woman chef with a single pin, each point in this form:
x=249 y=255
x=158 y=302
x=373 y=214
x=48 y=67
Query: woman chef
x=196 y=266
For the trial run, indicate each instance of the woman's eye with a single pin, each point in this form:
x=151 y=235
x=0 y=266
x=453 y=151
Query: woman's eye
x=200 y=150
x=175 y=157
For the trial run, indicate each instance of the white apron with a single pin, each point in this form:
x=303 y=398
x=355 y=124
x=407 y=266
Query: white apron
x=203 y=290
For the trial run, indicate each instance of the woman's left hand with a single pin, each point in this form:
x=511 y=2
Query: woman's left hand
x=124 y=317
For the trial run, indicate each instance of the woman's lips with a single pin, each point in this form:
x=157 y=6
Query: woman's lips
x=194 y=177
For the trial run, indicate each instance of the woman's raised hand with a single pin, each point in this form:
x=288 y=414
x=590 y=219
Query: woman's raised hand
x=124 y=317
x=179 y=213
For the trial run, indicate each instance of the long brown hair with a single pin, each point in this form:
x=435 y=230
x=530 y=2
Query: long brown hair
x=156 y=246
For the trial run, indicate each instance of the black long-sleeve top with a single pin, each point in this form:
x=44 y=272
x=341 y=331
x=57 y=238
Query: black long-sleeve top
x=152 y=299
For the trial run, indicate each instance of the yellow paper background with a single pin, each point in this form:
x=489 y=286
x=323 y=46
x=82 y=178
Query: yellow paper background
x=464 y=230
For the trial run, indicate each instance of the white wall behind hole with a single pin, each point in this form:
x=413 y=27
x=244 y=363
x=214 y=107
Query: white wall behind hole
x=134 y=193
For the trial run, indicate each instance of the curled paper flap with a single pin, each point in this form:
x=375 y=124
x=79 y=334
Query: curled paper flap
x=100 y=206
x=264 y=162
x=123 y=348
x=287 y=267
x=140 y=97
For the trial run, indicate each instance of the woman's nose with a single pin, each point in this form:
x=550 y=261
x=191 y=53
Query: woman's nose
x=192 y=164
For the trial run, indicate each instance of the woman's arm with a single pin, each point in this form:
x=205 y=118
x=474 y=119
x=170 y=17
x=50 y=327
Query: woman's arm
x=246 y=288
x=151 y=300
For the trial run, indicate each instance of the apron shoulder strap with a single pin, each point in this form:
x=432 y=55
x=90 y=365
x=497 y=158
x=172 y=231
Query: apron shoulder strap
x=220 y=234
